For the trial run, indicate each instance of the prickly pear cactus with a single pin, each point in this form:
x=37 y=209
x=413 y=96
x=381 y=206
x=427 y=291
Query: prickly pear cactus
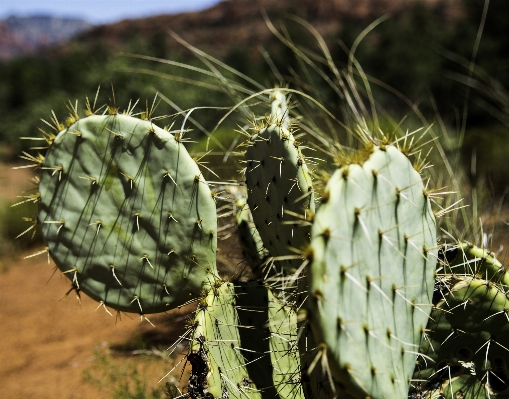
x=218 y=365
x=280 y=193
x=127 y=215
x=371 y=277
x=465 y=351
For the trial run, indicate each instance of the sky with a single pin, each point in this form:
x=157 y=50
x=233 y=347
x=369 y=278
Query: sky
x=100 y=11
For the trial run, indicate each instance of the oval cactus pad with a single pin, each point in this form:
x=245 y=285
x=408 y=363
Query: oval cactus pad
x=127 y=215
x=371 y=279
x=280 y=193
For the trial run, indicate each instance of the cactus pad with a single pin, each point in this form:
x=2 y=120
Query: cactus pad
x=280 y=194
x=127 y=215
x=371 y=278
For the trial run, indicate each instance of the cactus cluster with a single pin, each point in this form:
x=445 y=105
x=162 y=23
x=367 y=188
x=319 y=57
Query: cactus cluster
x=345 y=281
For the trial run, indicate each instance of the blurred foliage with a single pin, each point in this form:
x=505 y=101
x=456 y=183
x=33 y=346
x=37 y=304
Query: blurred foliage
x=417 y=53
x=14 y=221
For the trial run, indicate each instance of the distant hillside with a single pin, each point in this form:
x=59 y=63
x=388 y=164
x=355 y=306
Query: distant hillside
x=240 y=23
x=22 y=35
x=228 y=25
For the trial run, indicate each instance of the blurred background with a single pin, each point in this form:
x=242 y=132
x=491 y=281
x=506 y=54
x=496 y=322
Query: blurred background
x=418 y=56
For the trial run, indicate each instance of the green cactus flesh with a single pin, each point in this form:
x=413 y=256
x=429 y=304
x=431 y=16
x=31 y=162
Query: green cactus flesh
x=218 y=365
x=465 y=351
x=280 y=194
x=466 y=259
x=127 y=215
x=284 y=350
x=371 y=277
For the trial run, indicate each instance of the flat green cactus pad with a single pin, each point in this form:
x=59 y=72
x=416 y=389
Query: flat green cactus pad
x=465 y=352
x=127 y=215
x=280 y=193
x=371 y=278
